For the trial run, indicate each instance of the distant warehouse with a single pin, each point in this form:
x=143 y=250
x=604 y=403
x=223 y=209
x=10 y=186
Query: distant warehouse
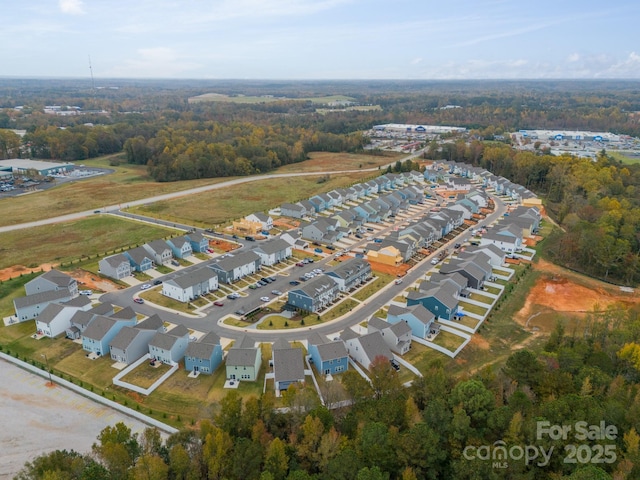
x=20 y=166
x=406 y=128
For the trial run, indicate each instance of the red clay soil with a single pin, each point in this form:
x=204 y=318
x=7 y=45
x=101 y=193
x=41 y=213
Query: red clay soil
x=17 y=270
x=288 y=224
x=563 y=291
x=397 y=271
x=223 y=245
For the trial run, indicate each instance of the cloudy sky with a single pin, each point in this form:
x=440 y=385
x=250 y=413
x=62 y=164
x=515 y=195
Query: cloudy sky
x=321 y=39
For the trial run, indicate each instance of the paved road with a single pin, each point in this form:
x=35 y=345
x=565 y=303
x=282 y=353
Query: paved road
x=360 y=313
x=190 y=191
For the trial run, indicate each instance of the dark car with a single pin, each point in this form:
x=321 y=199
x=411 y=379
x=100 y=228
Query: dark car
x=157 y=282
x=358 y=235
x=294 y=283
x=271 y=279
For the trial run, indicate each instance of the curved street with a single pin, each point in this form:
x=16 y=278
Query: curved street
x=210 y=322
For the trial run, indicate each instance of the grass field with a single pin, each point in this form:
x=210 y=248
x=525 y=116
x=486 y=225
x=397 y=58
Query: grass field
x=626 y=159
x=70 y=241
x=220 y=206
x=127 y=183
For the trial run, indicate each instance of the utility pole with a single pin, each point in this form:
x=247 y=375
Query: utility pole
x=48 y=369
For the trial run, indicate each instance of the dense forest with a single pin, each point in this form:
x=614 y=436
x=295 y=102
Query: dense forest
x=471 y=428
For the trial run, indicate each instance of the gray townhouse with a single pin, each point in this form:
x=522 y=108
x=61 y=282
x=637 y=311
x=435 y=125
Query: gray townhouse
x=169 y=347
x=199 y=243
x=160 y=251
x=232 y=268
x=273 y=251
x=367 y=348
x=420 y=320
x=56 y=317
x=140 y=259
x=294 y=210
x=132 y=342
x=314 y=295
x=243 y=360
x=100 y=332
x=53 y=280
x=288 y=366
x=205 y=355
x=397 y=335
x=31 y=306
x=190 y=285
x=180 y=247
x=115 y=266
x=350 y=274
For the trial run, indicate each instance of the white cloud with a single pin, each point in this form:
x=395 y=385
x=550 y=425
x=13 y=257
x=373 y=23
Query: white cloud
x=574 y=57
x=72 y=7
x=416 y=61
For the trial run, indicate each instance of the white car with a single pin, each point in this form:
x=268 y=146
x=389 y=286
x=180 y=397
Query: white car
x=276 y=292
x=146 y=286
x=265 y=299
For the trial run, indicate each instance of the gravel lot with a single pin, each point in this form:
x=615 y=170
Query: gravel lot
x=36 y=418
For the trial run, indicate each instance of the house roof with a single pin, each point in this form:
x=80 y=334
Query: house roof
x=396 y=310
x=245 y=341
x=196 y=237
x=193 y=277
x=422 y=314
x=349 y=268
x=292 y=206
x=378 y=323
x=158 y=246
x=116 y=260
x=317 y=286
x=99 y=327
x=348 y=334
x=400 y=328
x=57 y=277
x=179 y=242
x=374 y=346
x=489 y=246
x=242 y=357
x=273 y=246
x=126 y=313
x=102 y=309
x=288 y=364
x=82 y=318
x=139 y=254
x=230 y=263
x=332 y=350
x=165 y=341
x=78 y=302
x=499 y=237
x=124 y=337
x=41 y=297
x=316 y=339
x=261 y=216
x=154 y=322
x=49 y=313
x=280 y=344
x=200 y=350
x=456 y=277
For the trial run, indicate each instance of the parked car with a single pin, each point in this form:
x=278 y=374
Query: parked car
x=85 y=292
x=139 y=300
x=294 y=283
x=317 y=250
x=218 y=304
x=265 y=299
x=300 y=264
x=253 y=286
x=273 y=279
x=398 y=281
x=157 y=282
x=358 y=235
x=249 y=238
x=330 y=247
x=175 y=263
x=276 y=292
x=145 y=286
x=369 y=229
x=233 y=296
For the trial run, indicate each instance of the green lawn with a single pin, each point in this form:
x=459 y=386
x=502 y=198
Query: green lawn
x=66 y=242
x=342 y=308
x=473 y=308
x=154 y=295
x=448 y=340
x=373 y=287
x=240 y=200
x=481 y=298
x=144 y=375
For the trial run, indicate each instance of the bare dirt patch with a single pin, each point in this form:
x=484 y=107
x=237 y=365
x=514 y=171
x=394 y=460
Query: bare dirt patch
x=562 y=292
x=17 y=270
x=396 y=271
x=92 y=281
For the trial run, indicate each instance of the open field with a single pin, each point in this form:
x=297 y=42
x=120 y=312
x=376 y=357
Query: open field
x=70 y=241
x=220 y=206
x=221 y=97
x=127 y=183
x=327 y=161
x=622 y=157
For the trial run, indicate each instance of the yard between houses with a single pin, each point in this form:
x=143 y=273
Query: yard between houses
x=144 y=375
